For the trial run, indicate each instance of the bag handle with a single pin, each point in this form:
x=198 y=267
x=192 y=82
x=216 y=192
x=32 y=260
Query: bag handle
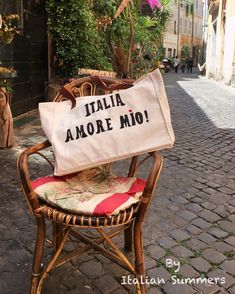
x=67 y=91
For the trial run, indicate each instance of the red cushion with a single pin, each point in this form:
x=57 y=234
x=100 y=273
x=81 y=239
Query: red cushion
x=79 y=193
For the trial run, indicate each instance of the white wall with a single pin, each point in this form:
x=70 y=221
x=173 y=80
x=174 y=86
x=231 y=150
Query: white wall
x=229 y=41
x=211 y=49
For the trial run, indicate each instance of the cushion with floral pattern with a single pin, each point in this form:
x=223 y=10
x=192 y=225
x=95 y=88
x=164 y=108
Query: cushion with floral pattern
x=91 y=192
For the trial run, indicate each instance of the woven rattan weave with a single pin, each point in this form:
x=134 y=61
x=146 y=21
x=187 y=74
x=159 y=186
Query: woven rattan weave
x=66 y=224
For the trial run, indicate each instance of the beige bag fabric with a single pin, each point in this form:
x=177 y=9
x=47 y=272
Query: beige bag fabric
x=105 y=128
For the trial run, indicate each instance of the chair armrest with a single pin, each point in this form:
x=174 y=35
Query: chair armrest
x=150 y=184
x=134 y=166
x=23 y=170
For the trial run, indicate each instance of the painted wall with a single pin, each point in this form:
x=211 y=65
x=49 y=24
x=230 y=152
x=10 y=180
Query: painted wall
x=220 y=57
x=185 y=23
x=229 y=42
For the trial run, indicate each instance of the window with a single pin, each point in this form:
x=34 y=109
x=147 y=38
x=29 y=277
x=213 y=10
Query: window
x=180 y=25
x=195 y=29
x=201 y=8
x=190 y=28
x=196 y=7
x=175 y=27
x=174 y=52
x=169 y=53
x=164 y=52
x=185 y=26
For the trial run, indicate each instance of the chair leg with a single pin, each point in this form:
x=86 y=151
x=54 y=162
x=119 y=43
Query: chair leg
x=128 y=238
x=38 y=254
x=52 y=261
x=139 y=256
x=58 y=234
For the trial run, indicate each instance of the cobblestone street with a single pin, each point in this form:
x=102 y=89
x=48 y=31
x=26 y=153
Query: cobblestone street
x=191 y=218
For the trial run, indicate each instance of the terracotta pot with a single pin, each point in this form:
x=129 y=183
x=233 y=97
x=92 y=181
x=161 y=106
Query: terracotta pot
x=6 y=121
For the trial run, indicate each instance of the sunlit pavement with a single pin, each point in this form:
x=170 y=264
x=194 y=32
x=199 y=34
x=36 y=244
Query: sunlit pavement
x=191 y=219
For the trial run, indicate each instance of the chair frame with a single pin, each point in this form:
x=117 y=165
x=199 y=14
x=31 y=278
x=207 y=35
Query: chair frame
x=65 y=223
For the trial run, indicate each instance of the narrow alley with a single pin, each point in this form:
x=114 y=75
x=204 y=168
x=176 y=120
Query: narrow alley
x=190 y=220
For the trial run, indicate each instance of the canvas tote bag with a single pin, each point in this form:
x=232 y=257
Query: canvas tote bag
x=105 y=128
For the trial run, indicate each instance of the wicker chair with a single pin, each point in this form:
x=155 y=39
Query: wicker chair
x=66 y=224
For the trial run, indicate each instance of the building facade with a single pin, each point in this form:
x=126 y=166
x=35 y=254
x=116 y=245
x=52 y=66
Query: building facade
x=27 y=53
x=185 y=29
x=220 y=55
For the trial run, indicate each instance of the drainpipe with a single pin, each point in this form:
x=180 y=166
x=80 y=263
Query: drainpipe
x=191 y=7
x=178 y=28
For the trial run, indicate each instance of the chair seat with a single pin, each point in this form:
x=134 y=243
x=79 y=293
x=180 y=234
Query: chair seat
x=92 y=192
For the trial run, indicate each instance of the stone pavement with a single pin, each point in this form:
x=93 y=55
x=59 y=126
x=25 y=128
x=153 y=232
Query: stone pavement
x=191 y=219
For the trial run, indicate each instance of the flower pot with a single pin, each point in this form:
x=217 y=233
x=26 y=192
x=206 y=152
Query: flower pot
x=6 y=121
x=8 y=75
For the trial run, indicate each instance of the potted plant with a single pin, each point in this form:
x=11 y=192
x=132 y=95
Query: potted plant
x=133 y=32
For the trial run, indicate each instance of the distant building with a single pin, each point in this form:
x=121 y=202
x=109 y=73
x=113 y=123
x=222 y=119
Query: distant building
x=184 y=29
x=220 y=56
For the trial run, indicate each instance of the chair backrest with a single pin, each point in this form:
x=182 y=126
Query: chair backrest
x=105 y=73
x=98 y=85
x=90 y=85
x=86 y=86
